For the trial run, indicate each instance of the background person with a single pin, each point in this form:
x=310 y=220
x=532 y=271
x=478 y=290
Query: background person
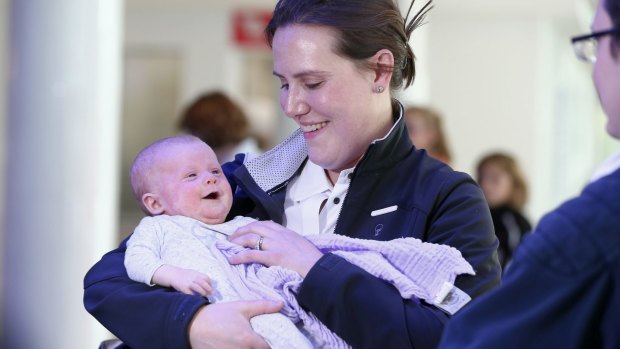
x=350 y=169
x=220 y=122
x=505 y=190
x=426 y=132
x=561 y=290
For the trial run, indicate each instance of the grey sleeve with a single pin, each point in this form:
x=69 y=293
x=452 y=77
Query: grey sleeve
x=143 y=255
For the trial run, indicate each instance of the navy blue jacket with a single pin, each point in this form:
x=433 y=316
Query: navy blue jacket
x=435 y=204
x=563 y=287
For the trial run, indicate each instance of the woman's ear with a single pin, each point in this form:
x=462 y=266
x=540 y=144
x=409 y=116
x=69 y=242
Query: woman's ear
x=383 y=61
x=153 y=204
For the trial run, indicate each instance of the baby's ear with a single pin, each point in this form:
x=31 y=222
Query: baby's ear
x=152 y=204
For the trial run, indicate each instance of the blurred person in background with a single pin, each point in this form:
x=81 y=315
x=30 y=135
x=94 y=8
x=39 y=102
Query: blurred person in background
x=562 y=288
x=426 y=132
x=220 y=122
x=505 y=190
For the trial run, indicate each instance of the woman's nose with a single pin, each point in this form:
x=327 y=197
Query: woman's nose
x=294 y=104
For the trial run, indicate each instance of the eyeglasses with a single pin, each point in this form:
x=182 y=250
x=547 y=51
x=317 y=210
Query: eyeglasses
x=585 y=45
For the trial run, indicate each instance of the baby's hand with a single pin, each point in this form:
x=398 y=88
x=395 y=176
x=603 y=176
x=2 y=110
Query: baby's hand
x=183 y=280
x=191 y=282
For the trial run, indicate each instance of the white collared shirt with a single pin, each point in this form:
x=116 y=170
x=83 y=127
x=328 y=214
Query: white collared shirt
x=305 y=195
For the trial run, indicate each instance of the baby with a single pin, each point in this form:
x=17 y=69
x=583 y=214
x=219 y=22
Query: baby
x=180 y=185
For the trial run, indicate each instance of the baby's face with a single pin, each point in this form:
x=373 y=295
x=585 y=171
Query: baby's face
x=191 y=183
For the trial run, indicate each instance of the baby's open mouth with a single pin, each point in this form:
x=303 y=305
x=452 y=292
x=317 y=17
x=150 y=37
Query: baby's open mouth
x=212 y=196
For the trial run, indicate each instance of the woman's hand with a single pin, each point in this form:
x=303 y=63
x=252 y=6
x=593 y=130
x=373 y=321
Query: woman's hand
x=226 y=325
x=279 y=246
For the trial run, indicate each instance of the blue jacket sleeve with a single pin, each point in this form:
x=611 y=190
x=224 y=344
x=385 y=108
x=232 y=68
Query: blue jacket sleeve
x=556 y=293
x=363 y=309
x=369 y=313
x=140 y=315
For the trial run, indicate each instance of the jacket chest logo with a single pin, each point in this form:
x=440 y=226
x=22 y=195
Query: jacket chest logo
x=378 y=229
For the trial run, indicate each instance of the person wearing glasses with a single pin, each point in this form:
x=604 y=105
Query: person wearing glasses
x=563 y=287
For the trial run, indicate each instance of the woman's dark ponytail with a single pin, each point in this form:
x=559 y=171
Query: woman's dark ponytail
x=415 y=22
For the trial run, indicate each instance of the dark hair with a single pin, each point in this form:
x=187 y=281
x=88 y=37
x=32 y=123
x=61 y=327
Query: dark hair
x=613 y=10
x=363 y=27
x=508 y=164
x=216 y=120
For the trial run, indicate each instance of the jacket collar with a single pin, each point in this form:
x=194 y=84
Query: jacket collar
x=273 y=169
x=385 y=152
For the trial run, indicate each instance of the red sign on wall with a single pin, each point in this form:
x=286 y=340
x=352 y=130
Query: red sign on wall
x=249 y=27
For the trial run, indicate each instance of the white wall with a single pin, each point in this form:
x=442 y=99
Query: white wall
x=509 y=81
x=201 y=34
x=482 y=81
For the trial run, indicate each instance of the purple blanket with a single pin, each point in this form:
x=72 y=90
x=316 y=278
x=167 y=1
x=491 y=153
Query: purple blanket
x=417 y=269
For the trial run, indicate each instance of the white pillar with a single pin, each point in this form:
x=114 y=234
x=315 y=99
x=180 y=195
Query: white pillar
x=61 y=188
x=4 y=29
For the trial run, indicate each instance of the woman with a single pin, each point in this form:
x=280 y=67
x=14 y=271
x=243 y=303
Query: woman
x=426 y=132
x=505 y=190
x=350 y=169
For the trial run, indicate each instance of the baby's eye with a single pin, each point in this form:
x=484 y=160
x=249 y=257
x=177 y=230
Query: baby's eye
x=216 y=171
x=284 y=87
x=192 y=175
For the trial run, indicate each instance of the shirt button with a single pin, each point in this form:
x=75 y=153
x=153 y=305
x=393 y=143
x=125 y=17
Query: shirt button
x=350 y=175
x=336 y=201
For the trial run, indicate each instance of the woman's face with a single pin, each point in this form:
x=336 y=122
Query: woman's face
x=496 y=184
x=328 y=96
x=606 y=73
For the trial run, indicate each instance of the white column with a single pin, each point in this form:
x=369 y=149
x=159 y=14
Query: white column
x=4 y=29
x=61 y=180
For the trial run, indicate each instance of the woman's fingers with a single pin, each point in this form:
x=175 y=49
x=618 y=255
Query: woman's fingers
x=260 y=228
x=253 y=308
x=250 y=256
x=259 y=307
x=279 y=246
x=250 y=240
x=232 y=328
